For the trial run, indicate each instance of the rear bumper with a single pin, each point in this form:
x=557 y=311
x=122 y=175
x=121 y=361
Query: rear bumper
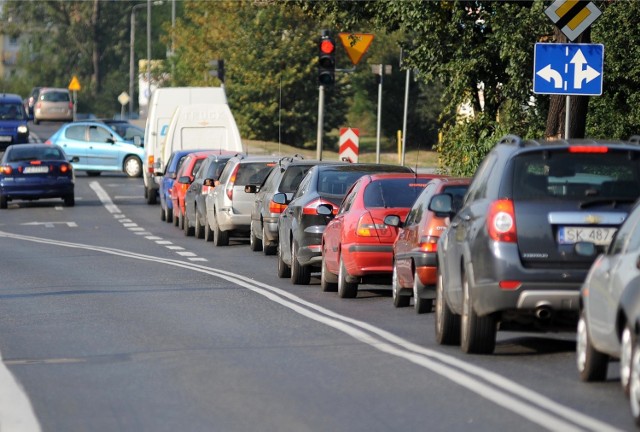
x=55 y=189
x=366 y=259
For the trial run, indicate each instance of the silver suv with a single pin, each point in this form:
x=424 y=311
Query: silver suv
x=228 y=205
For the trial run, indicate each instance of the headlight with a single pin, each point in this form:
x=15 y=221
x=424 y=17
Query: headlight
x=22 y=129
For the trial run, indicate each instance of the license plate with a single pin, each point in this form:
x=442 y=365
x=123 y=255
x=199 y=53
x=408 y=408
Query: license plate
x=597 y=235
x=5 y=138
x=36 y=169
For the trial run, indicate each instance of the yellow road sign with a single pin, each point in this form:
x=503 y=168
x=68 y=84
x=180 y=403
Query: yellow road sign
x=573 y=16
x=356 y=44
x=74 y=85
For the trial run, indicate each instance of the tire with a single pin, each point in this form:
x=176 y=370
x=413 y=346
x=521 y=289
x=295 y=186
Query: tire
x=255 y=244
x=151 y=196
x=168 y=215
x=198 y=230
x=186 y=225
x=163 y=214
x=132 y=167
x=4 y=203
x=208 y=234
x=284 y=271
x=478 y=334
x=267 y=249
x=346 y=289
x=94 y=173
x=175 y=219
x=180 y=219
x=328 y=281
x=300 y=275
x=626 y=355
x=398 y=300
x=592 y=364
x=634 y=385
x=419 y=304
x=447 y=324
x=220 y=238
x=70 y=200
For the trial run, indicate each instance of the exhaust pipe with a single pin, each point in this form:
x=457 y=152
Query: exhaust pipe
x=543 y=312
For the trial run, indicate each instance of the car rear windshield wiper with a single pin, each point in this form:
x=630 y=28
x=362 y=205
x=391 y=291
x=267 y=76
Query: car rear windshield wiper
x=613 y=201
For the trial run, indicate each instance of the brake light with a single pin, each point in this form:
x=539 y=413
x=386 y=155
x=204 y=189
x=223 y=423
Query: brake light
x=231 y=182
x=509 y=284
x=501 y=221
x=64 y=168
x=6 y=169
x=588 y=149
x=311 y=208
x=36 y=162
x=150 y=161
x=367 y=227
x=39 y=105
x=274 y=207
x=428 y=244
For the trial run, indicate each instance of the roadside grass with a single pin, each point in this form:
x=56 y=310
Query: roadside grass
x=413 y=158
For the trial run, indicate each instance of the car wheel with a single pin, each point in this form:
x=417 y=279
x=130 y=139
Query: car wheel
x=626 y=353
x=198 y=231
x=478 y=334
x=328 y=281
x=398 y=300
x=70 y=200
x=163 y=214
x=180 y=220
x=267 y=249
x=592 y=364
x=208 y=233
x=186 y=225
x=94 y=173
x=346 y=289
x=420 y=305
x=133 y=167
x=300 y=275
x=151 y=196
x=634 y=384
x=220 y=238
x=447 y=323
x=4 y=203
x=284 y=271
x=175 y=219
x=255 y=244
x=36 y=121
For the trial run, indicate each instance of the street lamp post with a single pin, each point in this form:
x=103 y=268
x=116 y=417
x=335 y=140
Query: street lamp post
x=132 y=44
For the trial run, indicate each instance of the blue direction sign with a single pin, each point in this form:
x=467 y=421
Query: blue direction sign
x=568 y=69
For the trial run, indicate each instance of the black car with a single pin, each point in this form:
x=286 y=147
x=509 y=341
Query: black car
x=284 y=177
x=194 y=200
x=514 y=255
x=300 y=226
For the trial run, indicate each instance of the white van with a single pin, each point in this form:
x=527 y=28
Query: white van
x=202 y=126
x=164 y=102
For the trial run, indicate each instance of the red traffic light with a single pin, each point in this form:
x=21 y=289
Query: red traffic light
x=327 y=46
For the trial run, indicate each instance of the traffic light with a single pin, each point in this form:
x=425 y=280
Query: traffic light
x=326 y=60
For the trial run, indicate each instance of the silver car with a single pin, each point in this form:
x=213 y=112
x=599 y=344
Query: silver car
x=228 y=205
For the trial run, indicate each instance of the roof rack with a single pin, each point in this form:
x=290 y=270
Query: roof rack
x=635 y=139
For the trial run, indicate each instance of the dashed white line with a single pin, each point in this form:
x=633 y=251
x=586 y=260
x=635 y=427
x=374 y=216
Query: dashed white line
x=163 y=242
x=175 y=247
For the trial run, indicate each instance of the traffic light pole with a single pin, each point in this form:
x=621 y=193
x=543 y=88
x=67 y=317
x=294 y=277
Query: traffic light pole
x=320 y=122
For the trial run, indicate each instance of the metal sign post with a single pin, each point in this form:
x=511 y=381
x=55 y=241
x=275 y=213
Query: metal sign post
x=320 y=122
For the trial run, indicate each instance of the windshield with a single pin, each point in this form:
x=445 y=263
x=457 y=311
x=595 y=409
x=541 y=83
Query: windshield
x=11 y=111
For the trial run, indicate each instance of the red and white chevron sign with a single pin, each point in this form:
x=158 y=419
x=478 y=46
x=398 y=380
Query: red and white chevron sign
x=349 y=142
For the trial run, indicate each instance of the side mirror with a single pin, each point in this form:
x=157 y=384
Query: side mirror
x=251 y=188
x=184 y=180
x=74 y=159
x=325 y=210
x=173 y=176
x=441 y=205
x=137 y=141
x=585 y=249
x=280 y=198
x=110 y=140
x=393 y=220
x=209 y=182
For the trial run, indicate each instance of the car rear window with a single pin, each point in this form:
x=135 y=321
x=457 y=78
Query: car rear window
x=32 y=153
x=253 y=173
x=577 y=176
x=55 y=96
x=393 y=192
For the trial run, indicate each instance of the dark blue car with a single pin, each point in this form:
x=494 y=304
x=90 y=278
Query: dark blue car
x=13 y=121
x=172 y=167
x=35 y=171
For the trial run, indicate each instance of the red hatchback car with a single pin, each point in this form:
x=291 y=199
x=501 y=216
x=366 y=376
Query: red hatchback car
x=414 y=251
x=357 y=247
x=184 y=178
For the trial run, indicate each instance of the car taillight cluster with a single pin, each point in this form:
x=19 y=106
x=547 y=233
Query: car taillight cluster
x=429 y=243
x=71 y=105
x=232 y=182
x=274 y=207
x=150 y=161
x=311 y=208
x=501 y=221
x=368 y=227
x=6 y=169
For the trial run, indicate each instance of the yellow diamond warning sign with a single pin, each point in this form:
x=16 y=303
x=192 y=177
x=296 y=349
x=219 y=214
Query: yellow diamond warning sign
x=573 y=16
x=356 y=45
x=74 y=85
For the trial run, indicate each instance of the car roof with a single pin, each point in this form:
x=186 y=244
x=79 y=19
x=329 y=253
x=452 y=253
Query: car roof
x=49 y=89
x=400 y=175
x=10 y=97
x=365 y=167
x=518 y=142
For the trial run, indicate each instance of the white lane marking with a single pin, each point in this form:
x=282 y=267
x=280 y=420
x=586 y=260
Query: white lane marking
x=104 y=197
x=198 y=259
x=163 y=242
x=135 y=228
x=522 y=401
x=119 y=216
x=142 y=233
x=152 y=237
x=175 y=247
x=186 y=254
x=16 y=411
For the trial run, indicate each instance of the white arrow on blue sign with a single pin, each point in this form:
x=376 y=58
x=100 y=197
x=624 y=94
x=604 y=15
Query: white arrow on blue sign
x=568 y=69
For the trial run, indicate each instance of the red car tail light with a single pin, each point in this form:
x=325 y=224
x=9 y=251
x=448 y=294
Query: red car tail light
x=501 y=221
x=64 y=168
x=367 y=227
x=6 y=169
x=150 y=161
x=588 y=149
x=274 y=207
x=509 y=284
x=35 y=162
x=428 y=243
x=311 y=208
x=231 y=182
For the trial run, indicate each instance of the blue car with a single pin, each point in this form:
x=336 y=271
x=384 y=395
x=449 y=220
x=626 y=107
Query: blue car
x=173 y=165
x=35 y=171
x=13 y=121
x=99 y=148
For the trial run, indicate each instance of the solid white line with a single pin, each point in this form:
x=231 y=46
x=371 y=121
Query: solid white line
x=16 y=412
